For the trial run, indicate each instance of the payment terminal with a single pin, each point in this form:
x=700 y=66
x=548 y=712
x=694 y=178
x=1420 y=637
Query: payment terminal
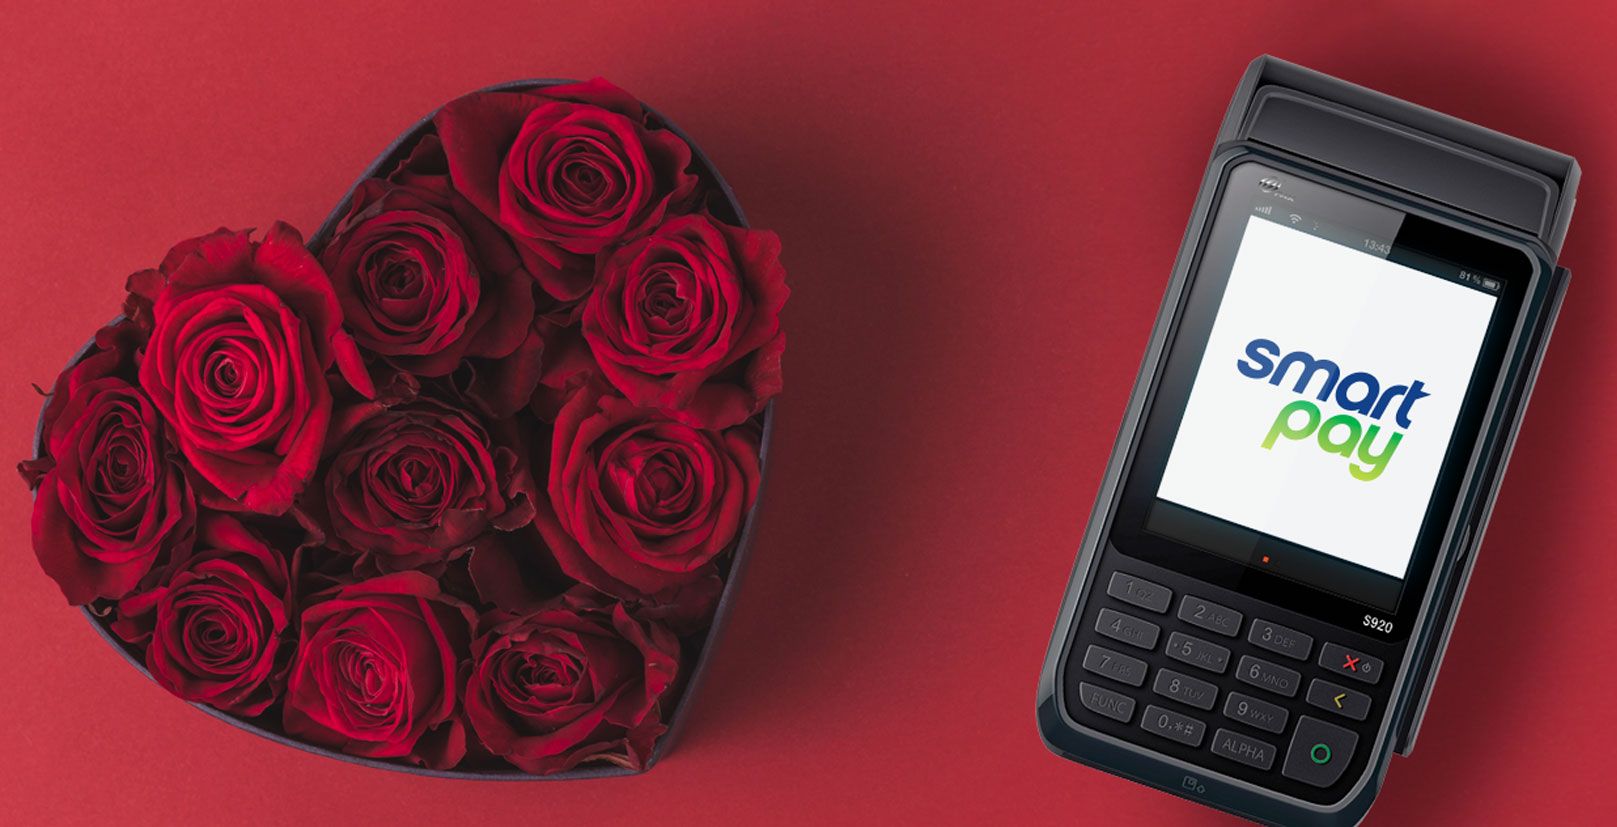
x=1311 y=451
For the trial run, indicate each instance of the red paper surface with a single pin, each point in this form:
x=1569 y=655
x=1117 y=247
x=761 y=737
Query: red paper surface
x=980 y=205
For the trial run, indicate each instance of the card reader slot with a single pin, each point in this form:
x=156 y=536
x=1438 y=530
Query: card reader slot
x=1398 y=157
x=1410 y=147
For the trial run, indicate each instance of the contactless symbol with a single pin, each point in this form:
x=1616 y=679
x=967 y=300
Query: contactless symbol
x=1320 y=753
x=1351 y=663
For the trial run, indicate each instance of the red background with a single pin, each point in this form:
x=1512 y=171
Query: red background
x=980 y=205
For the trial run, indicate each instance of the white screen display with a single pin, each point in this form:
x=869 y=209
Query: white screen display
x=1326 y=397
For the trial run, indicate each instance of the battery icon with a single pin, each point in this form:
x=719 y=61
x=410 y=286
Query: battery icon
x=1490 y=284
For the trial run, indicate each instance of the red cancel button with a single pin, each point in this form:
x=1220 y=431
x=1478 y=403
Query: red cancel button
x=1348 y=663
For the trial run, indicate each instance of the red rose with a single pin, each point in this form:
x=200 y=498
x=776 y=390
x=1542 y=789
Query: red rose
x=499 y=386
x=377 y=671
x=640 y=505
x=428 y=282
x=417 y=483
x=577 y=680
x=565 y=170
x=214 y=630
x=243 y=334
x=413 y=289
x=687 y=319
x=112 y=497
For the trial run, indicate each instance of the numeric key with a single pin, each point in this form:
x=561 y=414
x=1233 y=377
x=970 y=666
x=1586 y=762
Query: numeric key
x=1210 y=616
x=1266 y=675
x=1256 y=712
x=1199 y=653
x=1143 y=593
x=1185 y=689
x=1127 y=629
x=1115 y=665
x=1279 y=639
x=1173 y=726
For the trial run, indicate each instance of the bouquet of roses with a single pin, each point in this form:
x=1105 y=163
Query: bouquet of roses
x=456 y=485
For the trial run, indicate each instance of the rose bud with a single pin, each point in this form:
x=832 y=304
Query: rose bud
x=243 y=334
x=687 y=319
x=577 y=680
x=639 y=505
x=215 y=629
x=112 y=498
x=567 y=171
x=417 y=483
x=377 y=668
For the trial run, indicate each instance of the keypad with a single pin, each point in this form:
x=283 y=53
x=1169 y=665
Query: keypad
x=1260 y=695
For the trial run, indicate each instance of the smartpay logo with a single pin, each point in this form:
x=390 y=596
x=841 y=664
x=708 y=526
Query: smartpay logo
x=1361 y=434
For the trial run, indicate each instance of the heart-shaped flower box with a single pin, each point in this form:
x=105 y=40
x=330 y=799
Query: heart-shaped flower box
x=696 y=648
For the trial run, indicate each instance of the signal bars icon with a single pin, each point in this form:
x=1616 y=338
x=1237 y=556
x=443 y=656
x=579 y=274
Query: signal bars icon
x=1267 y=209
